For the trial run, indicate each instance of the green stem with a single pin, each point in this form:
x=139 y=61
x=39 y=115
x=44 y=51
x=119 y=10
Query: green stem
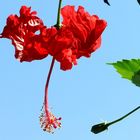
x=123 y=117
x=104 y=126
x=58 y=24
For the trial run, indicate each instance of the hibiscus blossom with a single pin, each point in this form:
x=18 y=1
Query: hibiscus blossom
x=79 y=35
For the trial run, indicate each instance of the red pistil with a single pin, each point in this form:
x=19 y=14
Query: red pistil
x=47 y=120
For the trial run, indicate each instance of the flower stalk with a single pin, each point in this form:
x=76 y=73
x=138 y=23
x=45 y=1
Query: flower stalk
x=104 y=126
x=58 y=24
x=47 y=120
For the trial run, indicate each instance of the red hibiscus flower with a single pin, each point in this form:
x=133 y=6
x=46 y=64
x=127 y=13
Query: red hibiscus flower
x=86 y=29
x=22 y=31
x=79 y=35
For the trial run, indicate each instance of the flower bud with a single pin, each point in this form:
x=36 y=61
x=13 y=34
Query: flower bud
x=99 y=127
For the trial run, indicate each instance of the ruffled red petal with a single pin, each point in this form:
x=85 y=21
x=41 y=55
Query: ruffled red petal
x=25 y=33
x=86 y=29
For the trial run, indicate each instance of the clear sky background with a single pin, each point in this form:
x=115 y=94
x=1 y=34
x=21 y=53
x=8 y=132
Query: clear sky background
x=90 y=93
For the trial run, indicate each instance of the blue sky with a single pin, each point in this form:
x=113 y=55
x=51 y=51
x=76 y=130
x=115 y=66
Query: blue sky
x=88 y=94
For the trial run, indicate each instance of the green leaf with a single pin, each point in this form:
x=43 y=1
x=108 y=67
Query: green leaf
x=129 y=69
x=136 y=79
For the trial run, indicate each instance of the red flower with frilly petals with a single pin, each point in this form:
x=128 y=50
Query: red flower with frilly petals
x=86 y=29
x=79 y=35
x=22 y=31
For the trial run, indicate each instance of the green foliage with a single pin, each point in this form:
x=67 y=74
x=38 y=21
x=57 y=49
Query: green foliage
x=129 y=69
